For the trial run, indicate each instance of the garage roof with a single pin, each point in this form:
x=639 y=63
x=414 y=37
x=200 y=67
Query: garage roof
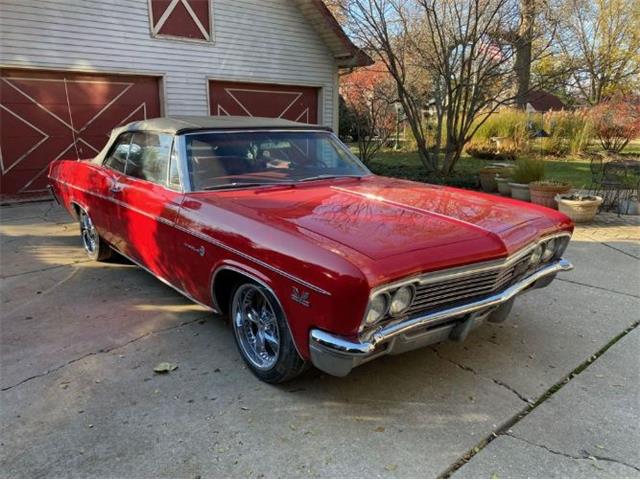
x=347 y=55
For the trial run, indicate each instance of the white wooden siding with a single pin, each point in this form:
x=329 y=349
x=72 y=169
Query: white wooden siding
x=254 y=40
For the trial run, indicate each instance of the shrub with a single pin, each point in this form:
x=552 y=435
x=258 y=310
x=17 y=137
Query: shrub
x=487 y=150
x=616 y=122
x=528 y=170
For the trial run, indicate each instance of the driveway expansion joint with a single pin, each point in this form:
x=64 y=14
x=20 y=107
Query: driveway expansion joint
x=586 y=456
x=621 y=251
x=497 y=382
x=506 y=426
x=101 y=351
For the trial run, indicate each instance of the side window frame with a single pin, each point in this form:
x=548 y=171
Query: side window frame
x=165 y=182
x=115 y=145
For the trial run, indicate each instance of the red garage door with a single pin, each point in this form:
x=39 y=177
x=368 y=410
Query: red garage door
x=299 y=104
x=45 y=116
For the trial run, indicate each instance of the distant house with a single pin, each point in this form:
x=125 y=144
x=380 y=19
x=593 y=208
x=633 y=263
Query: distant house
x=542 y=102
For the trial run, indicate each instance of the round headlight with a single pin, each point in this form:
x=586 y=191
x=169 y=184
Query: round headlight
x=549 y=250
x=401 y=300
x=377 y=309
x=536 y=255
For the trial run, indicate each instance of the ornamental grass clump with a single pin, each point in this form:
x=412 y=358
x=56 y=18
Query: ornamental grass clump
x=569 y=133
x=511 y=124
x=528 y=170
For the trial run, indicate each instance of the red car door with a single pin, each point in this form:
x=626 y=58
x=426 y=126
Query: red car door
x=102 y=181
x=147 y=206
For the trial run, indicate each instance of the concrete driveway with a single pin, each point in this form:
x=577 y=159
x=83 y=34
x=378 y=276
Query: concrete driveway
x=552 y=392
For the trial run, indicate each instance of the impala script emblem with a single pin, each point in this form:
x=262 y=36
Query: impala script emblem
x=301 y=297
x=199 y=250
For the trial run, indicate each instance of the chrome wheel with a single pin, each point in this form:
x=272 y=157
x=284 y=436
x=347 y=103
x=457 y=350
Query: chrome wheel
x=88 y=233
x=256 y=327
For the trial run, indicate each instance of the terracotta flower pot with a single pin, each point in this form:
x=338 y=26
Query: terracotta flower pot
x=544 y=193
x=488 y=179
x=520 y=191
x=503 y=186
x=579 y=209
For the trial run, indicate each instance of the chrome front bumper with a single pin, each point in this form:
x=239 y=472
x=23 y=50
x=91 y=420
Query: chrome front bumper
x=338 y=355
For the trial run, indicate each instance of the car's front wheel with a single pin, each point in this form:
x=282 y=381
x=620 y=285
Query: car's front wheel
x=262 y=335
x=95 y=247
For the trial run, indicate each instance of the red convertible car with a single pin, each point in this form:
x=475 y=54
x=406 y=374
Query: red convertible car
x=315 y=259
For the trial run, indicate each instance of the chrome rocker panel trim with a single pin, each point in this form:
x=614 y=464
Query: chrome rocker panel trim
x=338 y=355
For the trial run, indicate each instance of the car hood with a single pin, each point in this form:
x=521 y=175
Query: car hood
x=382 y=218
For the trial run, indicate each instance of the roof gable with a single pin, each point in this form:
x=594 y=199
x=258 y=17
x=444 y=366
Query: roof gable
x=544 y=101
x=344 y=51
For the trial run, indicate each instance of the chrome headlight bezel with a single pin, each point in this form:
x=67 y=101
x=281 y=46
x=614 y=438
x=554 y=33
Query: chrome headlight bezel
x=383 y=296
x=412 y=294
x=561 y=240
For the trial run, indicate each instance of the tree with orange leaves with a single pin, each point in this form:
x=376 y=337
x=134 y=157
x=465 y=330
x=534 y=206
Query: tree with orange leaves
x=370 y=99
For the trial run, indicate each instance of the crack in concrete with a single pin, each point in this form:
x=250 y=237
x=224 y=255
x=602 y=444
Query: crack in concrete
x=45 y=269
x=504 y=428
x=587 y=456
x=598 y=288
x=475 y=372
x=101 y=351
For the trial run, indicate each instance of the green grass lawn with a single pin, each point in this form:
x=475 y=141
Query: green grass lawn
x=574 y=170
x=407 y=165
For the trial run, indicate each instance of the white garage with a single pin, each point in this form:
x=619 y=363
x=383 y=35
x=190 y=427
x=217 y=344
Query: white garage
x=71 y=71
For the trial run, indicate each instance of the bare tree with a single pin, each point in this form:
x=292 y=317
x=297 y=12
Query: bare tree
x=600 y=39
x=464 y=43
x=383 y=27
x=524 y=45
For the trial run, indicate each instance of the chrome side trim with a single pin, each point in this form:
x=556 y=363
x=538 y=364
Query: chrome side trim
x=343 y=346
x=202 y=237
x=167 y=282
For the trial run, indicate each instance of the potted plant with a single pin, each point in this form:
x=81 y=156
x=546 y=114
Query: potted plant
x=488 y=176
x=580 y=208
x=502 y=181
x=543 y=192
x=527 y=170
x=630 y=206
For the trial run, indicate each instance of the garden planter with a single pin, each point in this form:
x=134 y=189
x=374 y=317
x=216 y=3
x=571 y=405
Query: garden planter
x=630 y=207
x=488 y=179
x=544 y=193
x=578 y=208
x=503 y=186
x=520 y=191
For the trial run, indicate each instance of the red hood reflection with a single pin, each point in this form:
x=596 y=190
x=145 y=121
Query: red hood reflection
x=382 y=217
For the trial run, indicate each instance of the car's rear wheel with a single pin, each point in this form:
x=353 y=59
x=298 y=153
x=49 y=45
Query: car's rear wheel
x=95 y=247
x=262 y=335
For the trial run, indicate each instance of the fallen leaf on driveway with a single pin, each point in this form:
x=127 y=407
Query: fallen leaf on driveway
x=379 y=429
x=390 y=467
x=165 y=367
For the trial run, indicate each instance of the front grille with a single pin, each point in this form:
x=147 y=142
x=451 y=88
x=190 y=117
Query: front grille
x=465 y=288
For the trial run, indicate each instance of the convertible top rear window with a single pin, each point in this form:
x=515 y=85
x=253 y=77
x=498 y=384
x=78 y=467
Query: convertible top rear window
x=237 y=159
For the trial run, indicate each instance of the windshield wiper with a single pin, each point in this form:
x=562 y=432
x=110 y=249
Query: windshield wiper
x=326 y=176
x=243 y=184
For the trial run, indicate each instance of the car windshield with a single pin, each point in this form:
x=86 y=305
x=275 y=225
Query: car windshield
x=221 y=160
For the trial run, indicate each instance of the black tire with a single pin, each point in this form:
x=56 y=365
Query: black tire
x=278 y=364
x=94 y=246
